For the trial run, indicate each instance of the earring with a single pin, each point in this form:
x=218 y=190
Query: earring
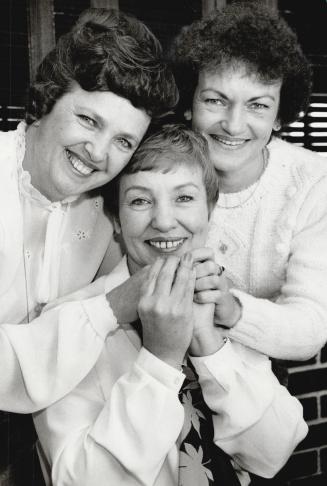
x=188 y=115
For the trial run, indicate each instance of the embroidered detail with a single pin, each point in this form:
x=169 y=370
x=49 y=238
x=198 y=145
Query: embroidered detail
x=222 y=247
x=82 y=235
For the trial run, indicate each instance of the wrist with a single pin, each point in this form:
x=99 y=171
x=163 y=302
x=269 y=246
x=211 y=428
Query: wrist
x=234 y=317
x=205 y=342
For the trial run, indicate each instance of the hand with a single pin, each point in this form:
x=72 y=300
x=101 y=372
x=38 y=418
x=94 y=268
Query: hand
x=212 y=286
x=124 y=299
x=166 y=308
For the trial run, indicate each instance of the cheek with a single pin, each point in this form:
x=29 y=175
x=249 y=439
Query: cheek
x=198 y=224
x=133 y=225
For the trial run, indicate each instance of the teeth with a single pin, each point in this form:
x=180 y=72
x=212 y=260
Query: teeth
x=79 y=165
x=164 y=245
x=231 y=143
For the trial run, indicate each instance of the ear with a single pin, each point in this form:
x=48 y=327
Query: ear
x=277 y=125
x=188 y=115
x=117 y=227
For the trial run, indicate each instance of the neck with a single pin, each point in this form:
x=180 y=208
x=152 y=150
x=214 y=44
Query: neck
x=239 y=179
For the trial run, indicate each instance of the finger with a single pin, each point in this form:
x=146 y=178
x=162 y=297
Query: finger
x=208 y=267
x=183 y=287
x=211 y=282
x=149 y=282
x=208 y=297
x=202 y=254
x=166 y=276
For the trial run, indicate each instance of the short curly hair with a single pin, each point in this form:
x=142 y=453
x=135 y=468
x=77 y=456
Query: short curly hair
x=244 y=34
x=106 y=50
x=171 y=146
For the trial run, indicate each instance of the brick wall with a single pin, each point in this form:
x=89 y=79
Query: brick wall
x=308 y=465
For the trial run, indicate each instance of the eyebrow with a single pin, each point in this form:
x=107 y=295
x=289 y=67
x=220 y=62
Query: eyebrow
x=148 y=189
x=220 y=93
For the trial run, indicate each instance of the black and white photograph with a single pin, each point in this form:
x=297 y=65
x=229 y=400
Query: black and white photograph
x=163 y=243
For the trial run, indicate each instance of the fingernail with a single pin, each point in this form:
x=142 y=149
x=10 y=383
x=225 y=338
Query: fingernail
x=187 y=257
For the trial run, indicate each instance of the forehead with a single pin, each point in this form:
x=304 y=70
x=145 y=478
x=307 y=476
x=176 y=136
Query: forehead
x=164 y=177
x=239 y=76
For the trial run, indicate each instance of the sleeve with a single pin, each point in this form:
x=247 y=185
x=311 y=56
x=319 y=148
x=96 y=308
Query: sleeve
x=44 y=360
x=294 y=327
x=256 y=421
x=120 y=439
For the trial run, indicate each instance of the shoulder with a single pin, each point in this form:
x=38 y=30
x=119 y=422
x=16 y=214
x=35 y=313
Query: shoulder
x=12 y=144
x=294 y=155
x=300 y=166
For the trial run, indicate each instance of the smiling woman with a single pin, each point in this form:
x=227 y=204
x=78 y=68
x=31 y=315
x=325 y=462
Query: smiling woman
x=242 y=76
x=89 y=107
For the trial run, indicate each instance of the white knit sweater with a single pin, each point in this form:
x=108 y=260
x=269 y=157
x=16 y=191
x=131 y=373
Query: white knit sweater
x=272 y=239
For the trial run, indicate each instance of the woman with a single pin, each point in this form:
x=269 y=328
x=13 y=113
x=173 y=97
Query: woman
x=89 y=107
x=124 y=423
x=242 y=77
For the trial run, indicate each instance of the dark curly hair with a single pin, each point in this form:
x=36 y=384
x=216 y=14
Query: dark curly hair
x=171 y=146
x=106 y=50
x=250 y=35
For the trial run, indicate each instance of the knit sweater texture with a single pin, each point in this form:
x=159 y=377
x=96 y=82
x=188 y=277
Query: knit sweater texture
x=272 y=239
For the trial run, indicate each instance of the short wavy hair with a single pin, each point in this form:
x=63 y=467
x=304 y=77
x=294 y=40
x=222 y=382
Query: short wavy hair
x=173 y=145
x=244 y=34
x=106 y=50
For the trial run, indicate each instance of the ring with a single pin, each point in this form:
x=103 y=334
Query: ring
x=221 y=270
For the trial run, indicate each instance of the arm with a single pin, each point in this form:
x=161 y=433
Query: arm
x=123 y=439
x=127 y=436
x=295 y=326
x=258 y=423
x=44 y=360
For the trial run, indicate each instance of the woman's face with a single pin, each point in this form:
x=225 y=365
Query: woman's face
x=237 y=112
x=162 y=213
x=85 y=141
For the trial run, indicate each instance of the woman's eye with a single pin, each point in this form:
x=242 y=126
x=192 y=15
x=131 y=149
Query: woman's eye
x=86 y=119
x=139 y=202
x=259 y=106
x=184 y=198
x=125 y=144
x=214 y=101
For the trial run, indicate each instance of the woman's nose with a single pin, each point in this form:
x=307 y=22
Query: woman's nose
x=98 y=149
x=163 y=218
x=234 y=121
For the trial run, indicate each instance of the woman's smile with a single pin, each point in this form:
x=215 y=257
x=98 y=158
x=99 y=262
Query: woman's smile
x=166 y=245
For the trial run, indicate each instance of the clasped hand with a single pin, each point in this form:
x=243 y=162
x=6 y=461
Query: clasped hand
x=177 y=304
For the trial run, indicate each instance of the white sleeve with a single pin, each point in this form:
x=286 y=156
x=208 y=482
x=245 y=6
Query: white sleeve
x=44 y=360
x=120 y=439
x=257 y=422
x=295 y=326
